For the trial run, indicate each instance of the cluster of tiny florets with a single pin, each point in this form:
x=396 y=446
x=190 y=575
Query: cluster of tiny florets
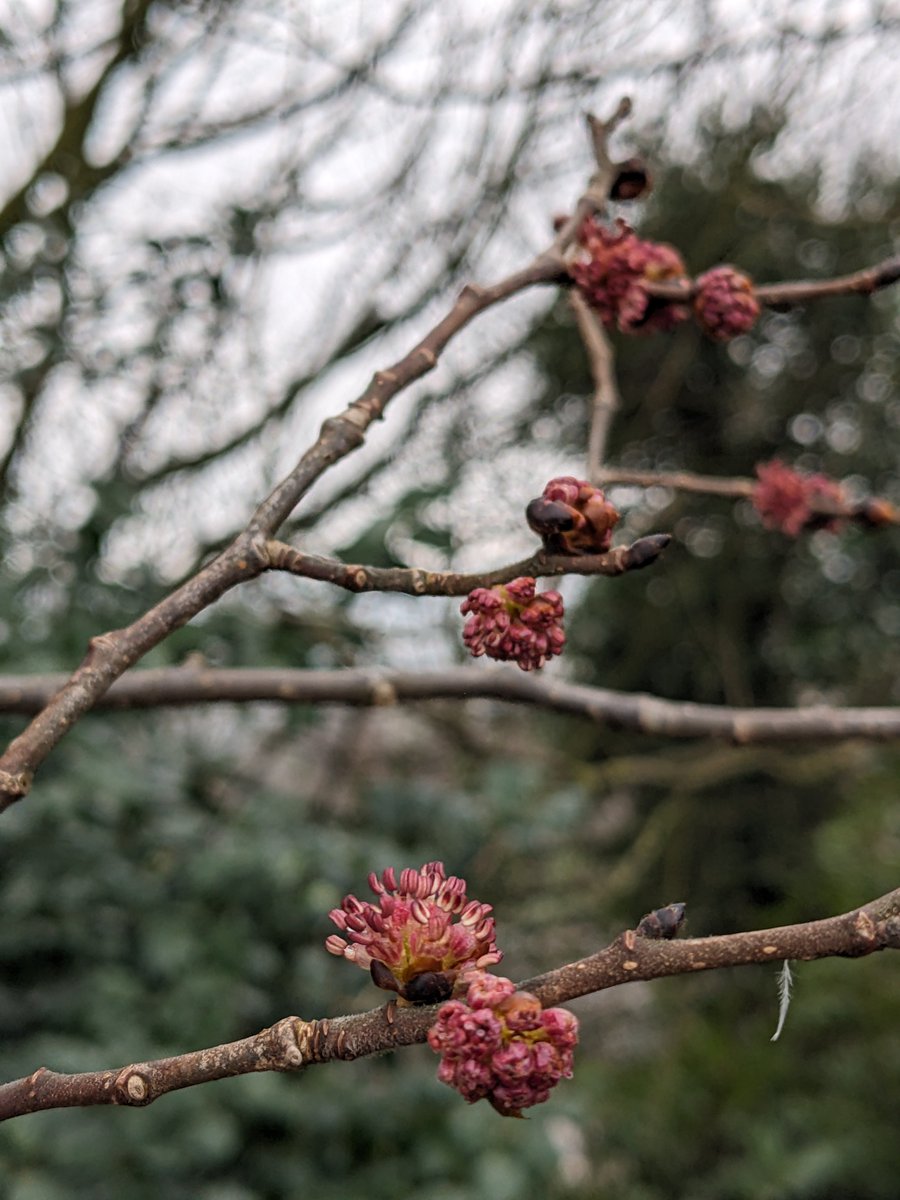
x=502 y=1045
x=791 y=502
x=612 y=274
x=513 y=623
x=573 y=517
x=724 y=304
x=421 y=924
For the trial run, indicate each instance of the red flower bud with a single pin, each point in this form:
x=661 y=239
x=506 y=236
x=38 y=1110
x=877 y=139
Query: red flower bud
x=792 y=502
x=571 y=516
x=613 y=272
x=512 y=624
x=725 y=304
x=502 y=1046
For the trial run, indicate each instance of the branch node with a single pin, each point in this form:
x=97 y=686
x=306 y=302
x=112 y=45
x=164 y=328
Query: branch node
x=133 y=1088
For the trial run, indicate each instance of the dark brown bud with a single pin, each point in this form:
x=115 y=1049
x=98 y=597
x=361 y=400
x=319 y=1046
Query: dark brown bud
x=428 y=988
x=647 y=550
x=633 y=180
x=547 y=517
x=662 y=923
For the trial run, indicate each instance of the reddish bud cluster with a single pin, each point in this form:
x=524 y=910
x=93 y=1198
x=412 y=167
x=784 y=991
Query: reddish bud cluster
x=571 y=516
x=501 y=1045
x=612 y=275
x=423 y=925
x=725 y=305
x=510 y=623
x=792 y=502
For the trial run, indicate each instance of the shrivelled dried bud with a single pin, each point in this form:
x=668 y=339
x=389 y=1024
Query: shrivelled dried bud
x=613 y=273
x=420 y=937
x=571 y=516
x=725 y=305
x=502 y=1046
x=662 y=923
x=511 y=623
x=633 y=180
x=792 y=502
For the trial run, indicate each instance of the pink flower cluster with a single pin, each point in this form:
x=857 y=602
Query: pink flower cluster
x=725 y=304
x=501 y=1045
x=511 y=623
x=423 y=925
x=573 y=517
x=612 y=275
x=792 y=502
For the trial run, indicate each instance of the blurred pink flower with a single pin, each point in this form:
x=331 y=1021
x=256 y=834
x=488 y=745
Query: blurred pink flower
x=725 y=304
x=792 y=502
x=511 y=623
x=613 y=272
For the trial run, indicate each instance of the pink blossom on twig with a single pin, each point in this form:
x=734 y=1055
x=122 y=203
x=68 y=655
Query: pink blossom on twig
x=792 y=502
x=725 y=305
x=502 y=1046
x=613 y=273
x=511 y=623
x=573 y=517
x=419 y=936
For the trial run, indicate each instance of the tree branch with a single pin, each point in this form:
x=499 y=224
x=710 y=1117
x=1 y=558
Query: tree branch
x=606 y=400
x=293 y=1044
x=786 y=295
x=416 y=582
x=629 y=711
x=65 y=155
x=112 y=653
x=873 y=512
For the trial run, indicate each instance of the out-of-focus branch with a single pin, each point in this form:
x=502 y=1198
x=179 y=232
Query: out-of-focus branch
x=112 y=653
x=416 y=582
x=293 y=1044
x=65 y=155
x=606 y=400
x=596 y=197
x=872 y=512
x=785 y=295
x=631 y=711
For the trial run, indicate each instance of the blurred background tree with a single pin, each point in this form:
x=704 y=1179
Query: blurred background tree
x=219 y=219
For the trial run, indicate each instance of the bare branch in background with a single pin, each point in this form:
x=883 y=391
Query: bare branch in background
x=380 y=687
x=791 y=293
x=606 y=401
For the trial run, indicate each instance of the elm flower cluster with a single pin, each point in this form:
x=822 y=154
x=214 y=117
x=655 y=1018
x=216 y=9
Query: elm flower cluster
x=571 y=516
x=792 y=502
x=724 y=304
x=512 y=623
x=421 y=926
x=613 y=274
x=502 y=1046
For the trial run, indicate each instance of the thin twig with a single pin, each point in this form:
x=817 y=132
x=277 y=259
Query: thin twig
x=873 y=512
x=633 y=712
x=293 y=1044
x=606 y=400
x=417 y=582
x=785 y=295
